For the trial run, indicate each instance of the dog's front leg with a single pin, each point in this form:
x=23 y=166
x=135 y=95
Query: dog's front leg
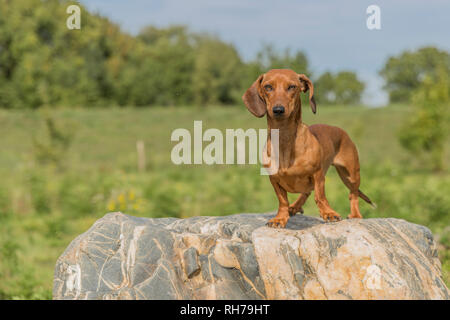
x=282 y=217
x=325 y=210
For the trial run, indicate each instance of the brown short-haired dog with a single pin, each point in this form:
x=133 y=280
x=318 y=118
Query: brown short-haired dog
x=305 y=152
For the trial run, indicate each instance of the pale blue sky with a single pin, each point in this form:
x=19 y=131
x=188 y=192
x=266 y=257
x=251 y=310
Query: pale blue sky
x=333 y=34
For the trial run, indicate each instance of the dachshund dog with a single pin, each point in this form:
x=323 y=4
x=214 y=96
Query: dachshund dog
x=305 y=152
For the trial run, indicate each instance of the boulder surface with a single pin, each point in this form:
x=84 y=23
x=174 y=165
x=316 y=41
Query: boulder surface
x=238 y=257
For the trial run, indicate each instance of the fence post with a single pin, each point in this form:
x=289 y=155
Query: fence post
x=141 y=155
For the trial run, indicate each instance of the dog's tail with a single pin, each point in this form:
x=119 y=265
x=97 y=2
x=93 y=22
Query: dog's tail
x=366 y=199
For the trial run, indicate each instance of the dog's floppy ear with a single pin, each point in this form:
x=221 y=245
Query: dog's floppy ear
x=305 y=85
x=252 y=99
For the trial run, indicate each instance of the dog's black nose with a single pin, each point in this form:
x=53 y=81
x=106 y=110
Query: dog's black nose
x=278 y=110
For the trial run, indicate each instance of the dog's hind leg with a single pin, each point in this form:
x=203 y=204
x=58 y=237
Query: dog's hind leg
x=297 y=205
x=351 y=179
x=326 y=212
x=346 y=163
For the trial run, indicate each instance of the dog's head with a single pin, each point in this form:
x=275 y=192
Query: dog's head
x=277 y=93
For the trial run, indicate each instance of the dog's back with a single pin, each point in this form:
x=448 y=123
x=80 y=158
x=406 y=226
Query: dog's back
x=329 y=137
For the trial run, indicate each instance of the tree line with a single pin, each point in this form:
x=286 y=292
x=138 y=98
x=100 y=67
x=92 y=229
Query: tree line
x=43 y=63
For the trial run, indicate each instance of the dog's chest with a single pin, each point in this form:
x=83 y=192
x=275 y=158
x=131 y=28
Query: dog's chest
x=296 y=184
x=296 y=174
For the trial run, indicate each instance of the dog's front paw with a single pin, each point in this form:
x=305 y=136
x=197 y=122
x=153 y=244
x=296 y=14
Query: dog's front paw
x=331 y=217
x=277 y=222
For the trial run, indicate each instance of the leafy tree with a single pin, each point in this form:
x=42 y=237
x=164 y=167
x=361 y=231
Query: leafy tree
x=217 y=73
x=160 y=69
x=341 y=88
x=325 y=88
x=348 y=88
x=425 y=132
x=405 y=73
x=44 y=63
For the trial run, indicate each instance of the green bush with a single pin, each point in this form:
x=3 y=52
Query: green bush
x=425 y=132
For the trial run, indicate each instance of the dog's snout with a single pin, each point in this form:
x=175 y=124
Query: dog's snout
x=278 y=109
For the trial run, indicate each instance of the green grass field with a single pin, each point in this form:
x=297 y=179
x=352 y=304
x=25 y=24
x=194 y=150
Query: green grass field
x=43 y=206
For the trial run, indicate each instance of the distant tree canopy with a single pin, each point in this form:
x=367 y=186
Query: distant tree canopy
x=425 y=132
x=404 y=74
x=422 y=79
x=341 y=88
x=43 y=63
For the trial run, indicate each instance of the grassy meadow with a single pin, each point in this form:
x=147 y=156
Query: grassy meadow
x=46 y=204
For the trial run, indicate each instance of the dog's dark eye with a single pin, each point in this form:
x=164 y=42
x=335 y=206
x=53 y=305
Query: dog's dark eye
x=268 y=87
x=291 y=87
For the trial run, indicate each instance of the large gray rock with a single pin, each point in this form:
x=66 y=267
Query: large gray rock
x=237 y=257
